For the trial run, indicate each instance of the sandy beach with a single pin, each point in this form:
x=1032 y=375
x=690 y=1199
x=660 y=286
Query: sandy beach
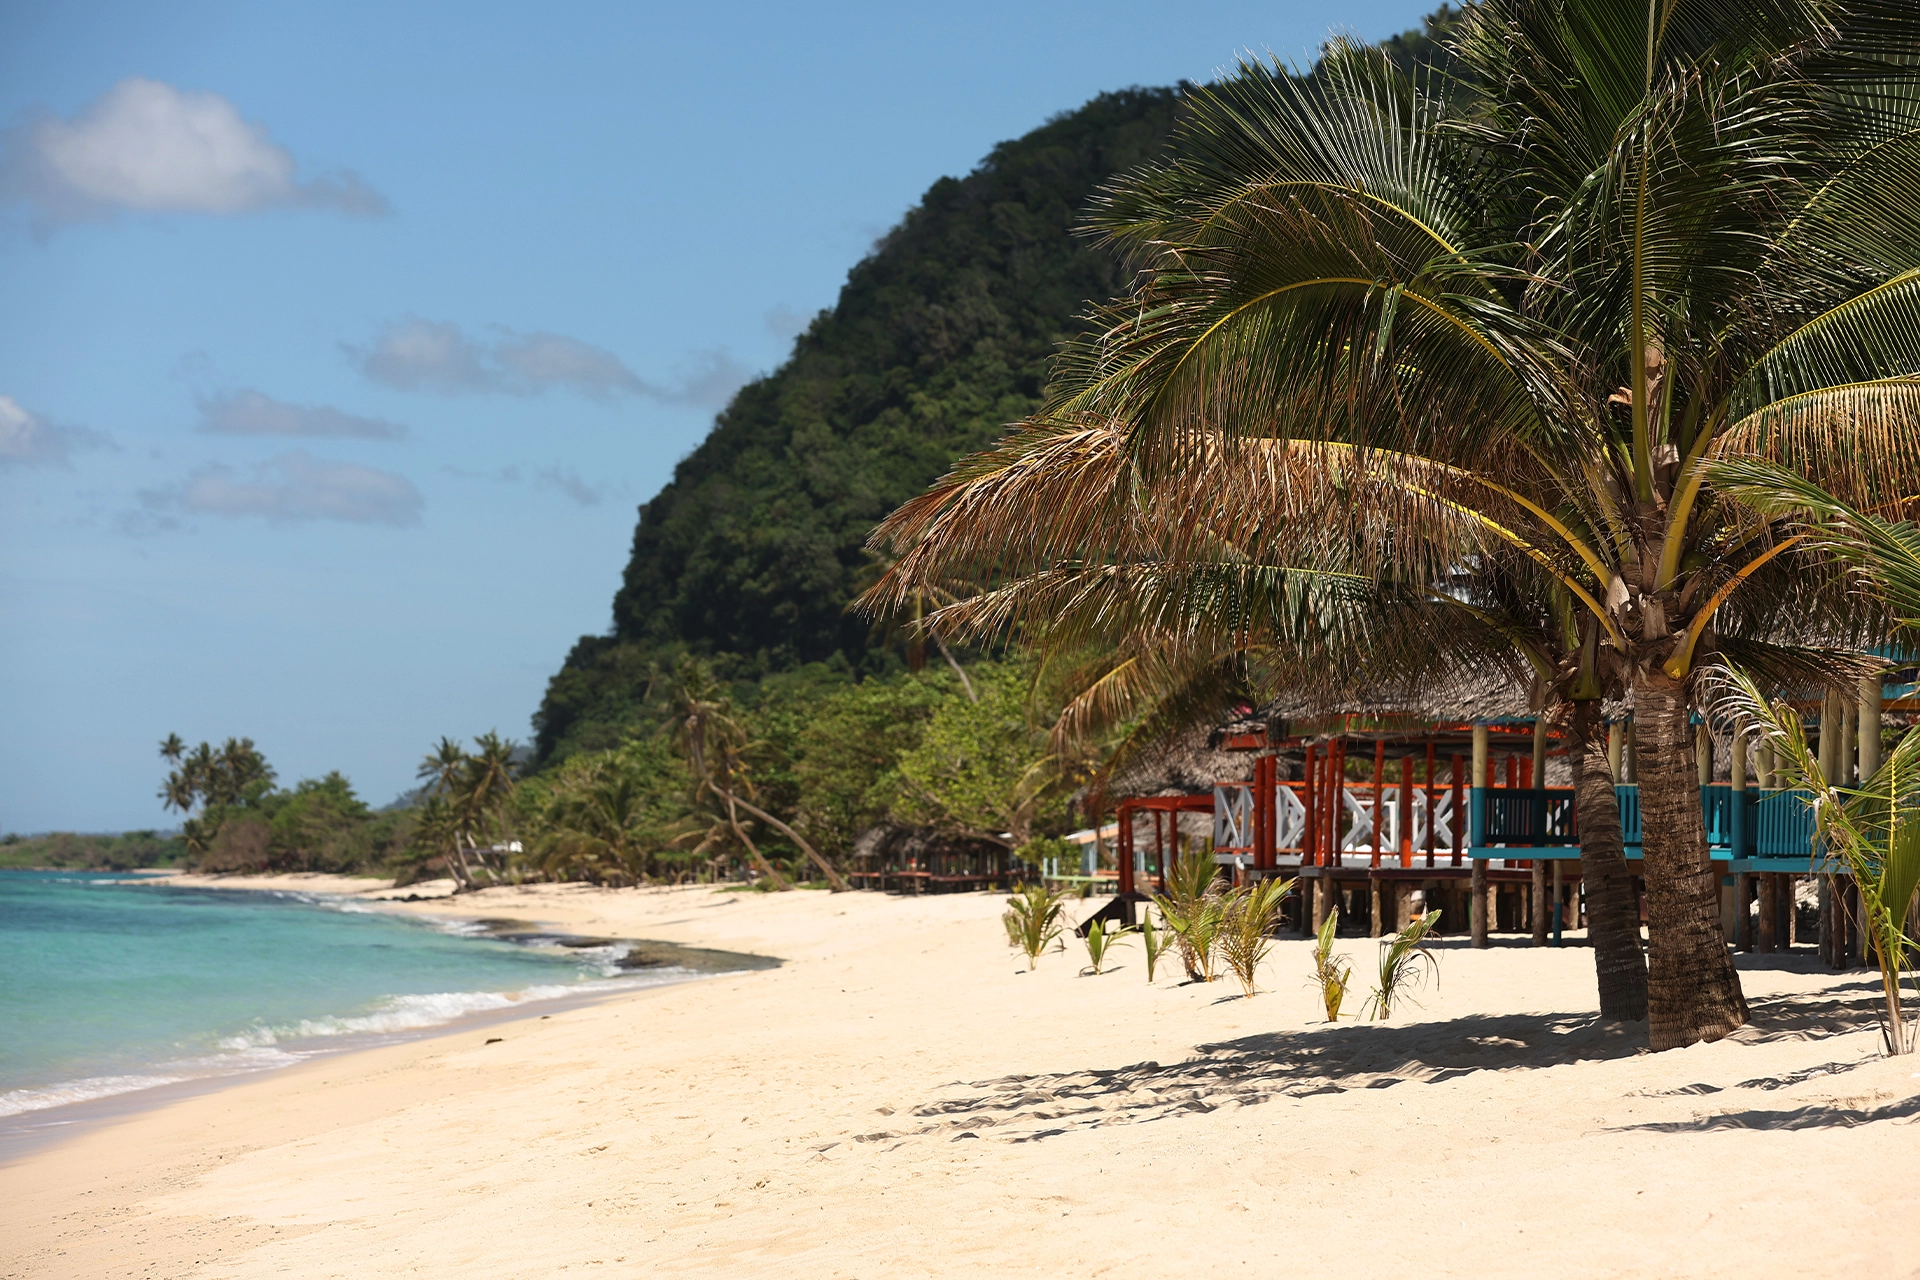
x=902 y=1098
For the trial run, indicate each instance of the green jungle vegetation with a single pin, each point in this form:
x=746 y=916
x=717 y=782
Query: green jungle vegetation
x=68 y=850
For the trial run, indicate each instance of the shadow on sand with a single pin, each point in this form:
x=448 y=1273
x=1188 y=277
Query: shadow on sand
x=1327 y=1060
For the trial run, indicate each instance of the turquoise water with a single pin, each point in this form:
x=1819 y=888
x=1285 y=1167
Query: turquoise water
x=108 y=987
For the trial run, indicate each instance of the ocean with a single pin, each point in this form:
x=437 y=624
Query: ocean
x=109 y=987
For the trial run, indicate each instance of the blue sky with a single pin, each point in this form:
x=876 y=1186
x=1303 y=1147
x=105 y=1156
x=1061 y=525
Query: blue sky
x=341 y=341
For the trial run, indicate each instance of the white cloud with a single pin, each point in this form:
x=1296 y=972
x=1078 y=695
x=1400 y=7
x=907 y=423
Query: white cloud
x=250 y=413
x=27 y=439
x=434 y=355
x=428 y=355
x=550 y=359
x=295 y=487
x=147 y=146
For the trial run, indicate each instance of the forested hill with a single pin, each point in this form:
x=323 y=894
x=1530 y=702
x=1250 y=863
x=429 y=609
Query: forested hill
x=939 y=339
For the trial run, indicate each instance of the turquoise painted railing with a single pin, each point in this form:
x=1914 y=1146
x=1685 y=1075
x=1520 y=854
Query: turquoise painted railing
x=1740 y=825
x=1531 y=817
x=1628 y=801
x=1783 y=825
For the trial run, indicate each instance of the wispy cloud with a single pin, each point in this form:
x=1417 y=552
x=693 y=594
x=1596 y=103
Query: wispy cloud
x=247 y=412
x=435 y=355
x=149 y=147
x=29 y=440
x=564 y=481
x=292 y=488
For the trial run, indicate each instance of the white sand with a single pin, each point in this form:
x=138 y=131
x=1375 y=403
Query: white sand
x=902 y=1099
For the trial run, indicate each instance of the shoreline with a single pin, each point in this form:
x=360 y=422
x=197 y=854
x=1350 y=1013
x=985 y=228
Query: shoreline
x=24 y=1132
x=902 y=1098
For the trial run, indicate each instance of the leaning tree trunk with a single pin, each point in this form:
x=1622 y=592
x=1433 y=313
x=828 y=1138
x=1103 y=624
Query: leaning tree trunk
x=1613 y=916
x=834 y=878
x=753 y=851
x=1693 y=992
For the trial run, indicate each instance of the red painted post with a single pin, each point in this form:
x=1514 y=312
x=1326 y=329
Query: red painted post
x=1123 y=847
x=1267 y=855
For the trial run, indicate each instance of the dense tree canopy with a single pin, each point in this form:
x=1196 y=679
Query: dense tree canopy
x=940 y=337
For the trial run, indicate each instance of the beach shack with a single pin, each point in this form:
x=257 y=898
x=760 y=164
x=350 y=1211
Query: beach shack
x=1391 y=803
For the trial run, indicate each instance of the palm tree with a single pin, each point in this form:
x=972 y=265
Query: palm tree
x=441 y=770
x=709 y=734
x=484 y=787
x=1513 y=317
x=599 y=827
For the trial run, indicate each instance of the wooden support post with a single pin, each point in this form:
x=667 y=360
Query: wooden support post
x=1541 y=916
x=1830 y=737
x=1632 y=777
x=1379 y=812
x=1616 y=744
x=1855 y=927
x=1537 y=780
x=1457 y=820
x=1404 y=803
x=1783 y=932
x=1373 y=894
x=1828 y=922
x=1433 y=833
x=1703 y=754
x=1742 y=916
x=1868 y=714
x=1476 y=834
x=1769 y=914
x=1849 y=726
x=1559 y=901
x=1123 y=847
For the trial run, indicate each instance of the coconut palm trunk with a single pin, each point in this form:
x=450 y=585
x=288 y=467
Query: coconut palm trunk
x=834 y=878
x=753 y=850
x=1693 y=989
x=1613 y=915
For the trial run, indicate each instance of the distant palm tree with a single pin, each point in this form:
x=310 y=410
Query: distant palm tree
x=441 y=769
x=708 y=733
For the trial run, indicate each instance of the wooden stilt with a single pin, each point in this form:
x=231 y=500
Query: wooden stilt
x=1379 y=812
x=1559 y=901
x=1769 y=914
x=1541 y=917
x=1827 y=923
x=1855 y=927
x=1404 y=803
x=1480 y=923
x=1458 y=819
x=1373 y=893
x=1742 y=919
x=1789 y=911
